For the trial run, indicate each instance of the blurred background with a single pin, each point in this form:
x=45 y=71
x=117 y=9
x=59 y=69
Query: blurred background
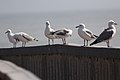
x=30 y=16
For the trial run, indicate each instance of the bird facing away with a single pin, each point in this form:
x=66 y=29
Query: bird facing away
x=52 y=34
x=49 y=32
x=63 y=34
x=11 y=37
x=85 y=34
x=107 y=34
x=24 y=38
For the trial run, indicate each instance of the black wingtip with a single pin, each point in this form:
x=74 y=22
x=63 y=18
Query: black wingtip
x=96 y=36
x=95 y=42
x=91 y=44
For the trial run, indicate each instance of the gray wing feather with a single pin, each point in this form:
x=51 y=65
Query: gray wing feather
x=91 y=34
x=61 y=32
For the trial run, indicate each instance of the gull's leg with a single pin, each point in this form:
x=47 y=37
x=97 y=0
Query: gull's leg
x=108 y=44
x=62 y=40
x=23 y=43
x=84 y=42
x=52 y=41
x=48 y=41
x=15 y=44
x=65 y=42
x=87 y=43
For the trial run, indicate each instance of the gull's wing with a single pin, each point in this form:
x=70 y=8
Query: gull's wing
x=27 y=37
x=105 y=35
x=23 y=35
x=61 y=32
x=88 y=32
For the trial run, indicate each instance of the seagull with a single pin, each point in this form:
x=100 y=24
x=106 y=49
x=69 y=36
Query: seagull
x=107 y=34
x=24 y=38
x=49 y=33
x=52 y=34
x=63 y=34
x=85 y=33
x=11 y=37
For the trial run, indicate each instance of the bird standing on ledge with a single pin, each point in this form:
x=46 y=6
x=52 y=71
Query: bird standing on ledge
x=107 y=34
x=11 y=37
x=85 y=34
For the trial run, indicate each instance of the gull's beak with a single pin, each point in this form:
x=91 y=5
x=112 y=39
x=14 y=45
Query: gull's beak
x=47 y=23
x=76 y=26
x=6 y=32
x=115 y=23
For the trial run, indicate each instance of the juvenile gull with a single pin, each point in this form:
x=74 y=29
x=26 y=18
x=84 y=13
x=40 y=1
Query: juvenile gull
x=52 y=34
x=11 y=37
x=24 y=38
x=63 y=34
x=107 y=34
x=85 y=33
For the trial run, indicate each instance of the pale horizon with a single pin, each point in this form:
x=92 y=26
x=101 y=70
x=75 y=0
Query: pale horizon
x=33 y=6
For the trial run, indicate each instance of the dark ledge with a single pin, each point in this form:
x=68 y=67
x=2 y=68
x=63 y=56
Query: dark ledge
x=62 y=49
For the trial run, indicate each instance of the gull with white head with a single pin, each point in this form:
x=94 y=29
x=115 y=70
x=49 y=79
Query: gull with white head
x=107 y=34
x=11 y=37
x=49 y=32
x=85 y=33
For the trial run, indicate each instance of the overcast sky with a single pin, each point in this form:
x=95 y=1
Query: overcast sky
x=21 y=6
